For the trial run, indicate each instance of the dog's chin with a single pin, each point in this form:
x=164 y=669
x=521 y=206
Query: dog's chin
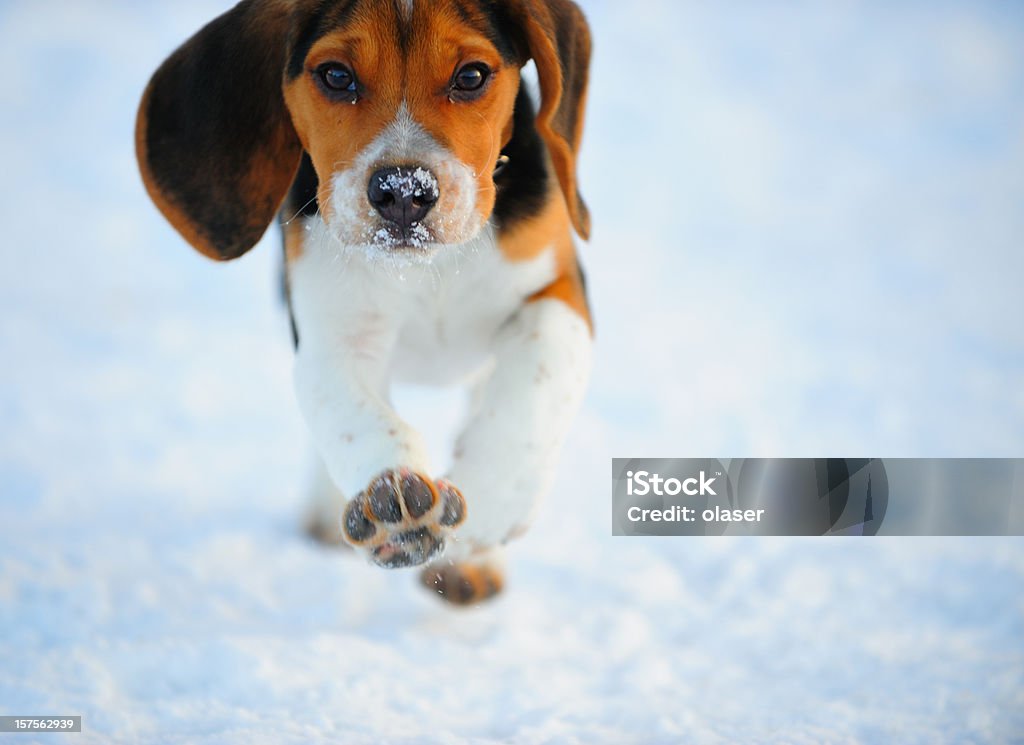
x=416 y=238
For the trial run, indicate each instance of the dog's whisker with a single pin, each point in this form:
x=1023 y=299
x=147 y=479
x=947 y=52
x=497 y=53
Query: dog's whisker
x=299 y=210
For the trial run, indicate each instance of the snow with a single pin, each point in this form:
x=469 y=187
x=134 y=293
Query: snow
x=417 y=182
x=807 y=235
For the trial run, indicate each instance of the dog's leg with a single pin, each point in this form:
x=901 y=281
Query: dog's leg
x=506 y=456
x=326 y=503
x=398 y=515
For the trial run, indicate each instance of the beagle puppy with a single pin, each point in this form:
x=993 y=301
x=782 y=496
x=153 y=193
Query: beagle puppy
x=428 y=210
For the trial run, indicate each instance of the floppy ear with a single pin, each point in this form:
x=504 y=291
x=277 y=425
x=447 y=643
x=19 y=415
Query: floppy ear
x=214 y=140
x=559 y=43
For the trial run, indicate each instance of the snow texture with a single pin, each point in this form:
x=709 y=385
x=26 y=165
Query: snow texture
x=807 y=233
x=416 y=183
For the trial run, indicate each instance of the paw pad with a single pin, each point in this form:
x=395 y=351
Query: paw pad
x=403 y=518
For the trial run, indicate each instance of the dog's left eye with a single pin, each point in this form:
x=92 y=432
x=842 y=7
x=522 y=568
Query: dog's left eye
x=337 y=79
x=468 y=81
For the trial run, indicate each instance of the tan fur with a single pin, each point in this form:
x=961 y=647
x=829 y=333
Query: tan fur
x=550 y=229
x=569 y=289
x=294 y=239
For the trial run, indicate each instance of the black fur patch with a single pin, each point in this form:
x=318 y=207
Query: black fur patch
x=302 y=196
x=490 y=20
x=524 y=182
x=329 y=15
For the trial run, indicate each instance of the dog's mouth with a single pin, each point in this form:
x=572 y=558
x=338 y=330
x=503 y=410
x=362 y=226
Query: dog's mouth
x=391 y=236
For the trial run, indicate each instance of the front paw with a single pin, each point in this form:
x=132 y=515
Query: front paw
x=403 y=518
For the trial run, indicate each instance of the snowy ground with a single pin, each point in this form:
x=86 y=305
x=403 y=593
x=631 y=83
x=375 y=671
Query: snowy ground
x=807 y=241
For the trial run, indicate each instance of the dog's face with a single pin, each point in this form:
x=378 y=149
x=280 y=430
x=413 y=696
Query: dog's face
x=403 y=106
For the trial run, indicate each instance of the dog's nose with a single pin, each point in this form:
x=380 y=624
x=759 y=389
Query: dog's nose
x=403 y=194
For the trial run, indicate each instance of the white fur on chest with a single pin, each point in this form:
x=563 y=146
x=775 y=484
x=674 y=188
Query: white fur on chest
x=424 y=321
x=367 y=315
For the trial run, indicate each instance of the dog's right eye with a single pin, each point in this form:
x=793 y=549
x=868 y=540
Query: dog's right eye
x=338 y=80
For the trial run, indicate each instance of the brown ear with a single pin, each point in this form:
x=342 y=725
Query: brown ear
x=214 y=140
x=559 y=43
